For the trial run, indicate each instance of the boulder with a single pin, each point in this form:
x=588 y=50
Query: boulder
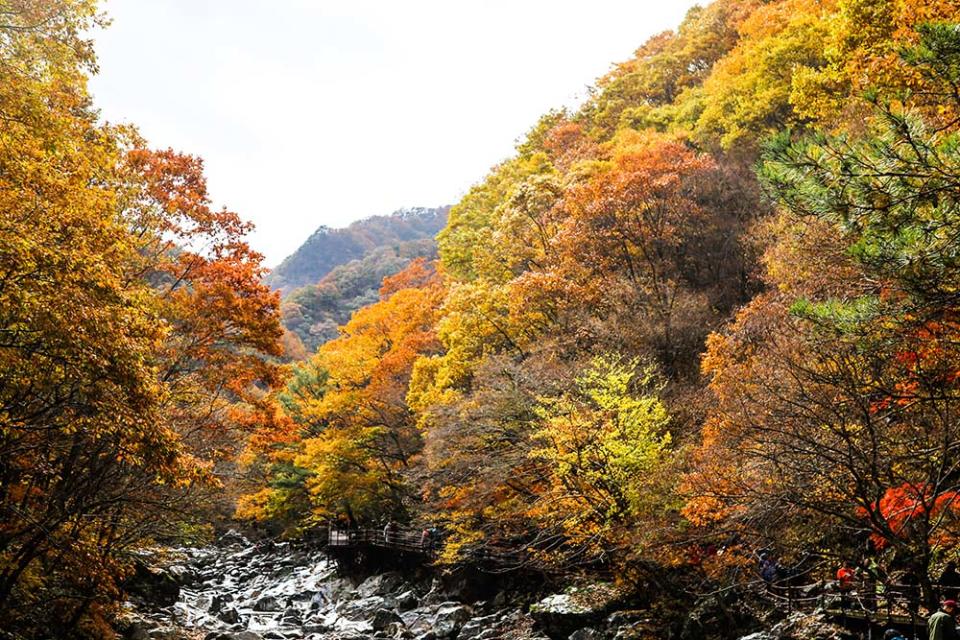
x=380 y=585
x=477 y=627
x=230 y=616
x=234 y=537
x=154 y=585
x=561 y=614
x=450 y=618
x=585 y=634
x=383 y=618
x=182 y=574
x=266 y=603
x=136 y=631
x=218 y=602
x=407 y=601
x=363 y=609
x=291 y=616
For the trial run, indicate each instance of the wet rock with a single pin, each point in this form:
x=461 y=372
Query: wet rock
x=230 y=616
x=585 y=634
x=476 y=628
x=449 y=619
x=154 y=585
x=380 y=585
x=266 y=603
x=561 y=614
x=182 y=574
x=383 y=618
x=362 y=610
x=137 y=631
x=406 y=601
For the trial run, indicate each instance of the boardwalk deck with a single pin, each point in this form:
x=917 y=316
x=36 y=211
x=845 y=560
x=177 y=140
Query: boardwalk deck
x=861 y=609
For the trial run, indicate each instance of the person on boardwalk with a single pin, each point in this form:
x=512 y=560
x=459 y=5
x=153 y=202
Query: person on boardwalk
x=389 y=531
x=942 y=625
x=845 y=576
x=769 y=568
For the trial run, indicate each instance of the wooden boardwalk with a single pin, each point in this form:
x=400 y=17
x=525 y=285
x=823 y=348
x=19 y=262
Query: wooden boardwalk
x=401 y=539
x=862 y=607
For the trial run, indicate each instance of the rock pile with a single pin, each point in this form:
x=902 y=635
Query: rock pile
x=237 y=591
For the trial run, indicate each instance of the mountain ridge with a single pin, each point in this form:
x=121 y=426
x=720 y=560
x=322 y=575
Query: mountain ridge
x=328 y=247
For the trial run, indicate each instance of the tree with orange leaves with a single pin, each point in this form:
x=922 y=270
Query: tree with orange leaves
x=355 y=442
x=134 y=334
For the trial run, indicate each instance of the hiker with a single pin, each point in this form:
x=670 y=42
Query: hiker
x=769 y=568
x=949 y=582
x=942 y=625
x=425 y=539
x=845 y=576
x=873 y=587
x=893 y=634
x=388 y=531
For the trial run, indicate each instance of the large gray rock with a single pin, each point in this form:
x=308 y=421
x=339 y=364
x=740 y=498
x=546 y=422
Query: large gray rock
x=383 y=618
x=267 y=603
x=560 y=614
x=477 y=628
x=380 y=585
x=230 y=616
x=154 y=585
x=418 y=622
x=407 y=601
x=801 y=625
x=361 y=610
x=450 y=618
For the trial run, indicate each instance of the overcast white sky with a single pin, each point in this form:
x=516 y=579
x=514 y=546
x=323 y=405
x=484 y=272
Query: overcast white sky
x=311 y=112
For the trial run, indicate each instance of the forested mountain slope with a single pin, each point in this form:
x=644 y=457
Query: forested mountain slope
x=315 y=312
x=328 y=248
x=711 y=311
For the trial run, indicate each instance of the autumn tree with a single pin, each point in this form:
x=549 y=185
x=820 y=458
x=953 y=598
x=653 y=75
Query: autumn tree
x=355 y=442
x=837 y=393
x=132 y=333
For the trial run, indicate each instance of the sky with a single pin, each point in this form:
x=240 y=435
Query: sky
x=322 y=112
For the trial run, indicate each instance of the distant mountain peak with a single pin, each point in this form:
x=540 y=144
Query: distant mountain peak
x=327 y=247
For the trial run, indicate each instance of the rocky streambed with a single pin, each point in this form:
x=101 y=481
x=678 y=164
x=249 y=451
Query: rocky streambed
x=237 y=590
x=240 y=591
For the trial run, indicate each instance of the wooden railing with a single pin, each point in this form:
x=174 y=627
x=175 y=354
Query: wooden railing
x=401 y=539
x=863 y=602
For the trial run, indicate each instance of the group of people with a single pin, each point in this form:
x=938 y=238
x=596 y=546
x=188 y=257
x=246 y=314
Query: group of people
x=942 y=625
x=429 y=537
